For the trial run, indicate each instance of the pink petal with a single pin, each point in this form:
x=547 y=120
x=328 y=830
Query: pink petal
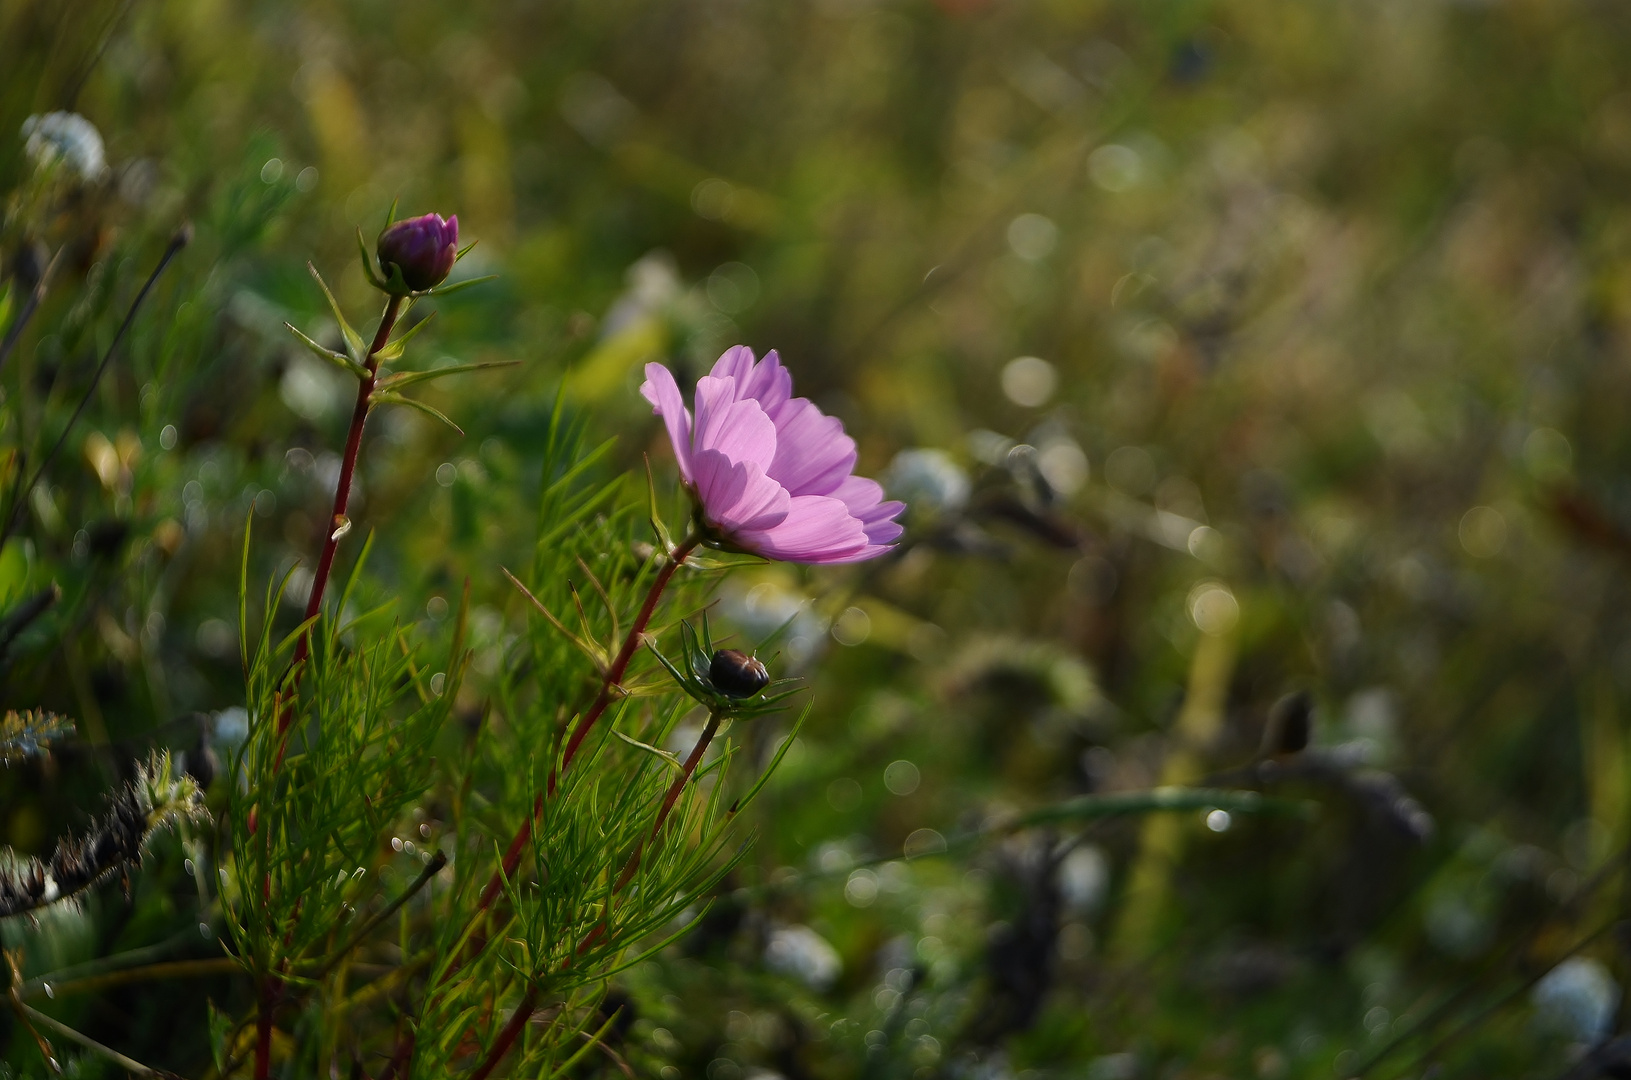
x=738 y=429
x=769 y=383
x=866 y=503
x=871 y=551
x=664 y=395
x=818 y=529
x=738 y=496
x=736 y=363
x=813 y=455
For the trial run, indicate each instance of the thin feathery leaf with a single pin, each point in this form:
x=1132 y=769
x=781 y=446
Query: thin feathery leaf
x=667 y=758
x=355 y=348
x=586 y=646
x=457 y=286
x=368 y=262
x=394 y=349
x=388 y=398
x=339 y=360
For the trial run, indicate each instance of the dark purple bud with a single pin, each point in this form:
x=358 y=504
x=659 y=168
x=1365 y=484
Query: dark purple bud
x=736 y=674
x=423 y=248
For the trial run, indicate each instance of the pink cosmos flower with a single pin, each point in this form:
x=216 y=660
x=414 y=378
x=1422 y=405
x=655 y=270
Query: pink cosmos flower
x=772 y=475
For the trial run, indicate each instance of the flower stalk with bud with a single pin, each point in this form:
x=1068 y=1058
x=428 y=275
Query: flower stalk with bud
x=412 y=260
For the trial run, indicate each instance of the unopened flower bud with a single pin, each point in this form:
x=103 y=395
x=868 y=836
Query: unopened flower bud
x=736 y=674
x=422 y=248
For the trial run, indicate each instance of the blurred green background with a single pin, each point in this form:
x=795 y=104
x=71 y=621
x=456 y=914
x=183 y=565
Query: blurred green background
x=1225 y=351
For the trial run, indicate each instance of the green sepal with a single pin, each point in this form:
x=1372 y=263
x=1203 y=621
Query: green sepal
x=408 y=378
x=368 y=263
x=705 y=562
x=393 y=350
x=700 y=658
x=697 y=647
x=390 y=215
x=448 y=290
x=354 y=346
x=340 y=360
x=668 y=665
x=664 y=540
x=391 y=284
x=462 y=252
x=389 y=398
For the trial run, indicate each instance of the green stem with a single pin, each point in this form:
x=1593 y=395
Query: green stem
x=128 y=1064
x=431 y=869
x=171 y=969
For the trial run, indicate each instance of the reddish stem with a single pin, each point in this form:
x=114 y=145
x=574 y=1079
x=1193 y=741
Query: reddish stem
x=342 y=498
x=506 y=1038
x=314 y=605
x=632 y=867
x=669 y=800
x=614 y=675
x=620 y=663
x=263 y=1033
x=512 y=857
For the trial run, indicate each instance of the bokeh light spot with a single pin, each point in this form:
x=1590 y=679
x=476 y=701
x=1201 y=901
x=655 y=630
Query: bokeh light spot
x=1213 y=608
x=1032 y=237
x=1029 y=381
x=1482 y=532
x=902 y=777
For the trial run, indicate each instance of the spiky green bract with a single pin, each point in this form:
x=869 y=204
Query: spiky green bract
x=696 y=677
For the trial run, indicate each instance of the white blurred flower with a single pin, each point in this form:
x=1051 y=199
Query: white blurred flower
x=928 y=480
x=653 y=284
x=1578 y=999
x=765 y=608
x=805 y=955
x=231 y=727
x=66 y=137
x=1084 y=875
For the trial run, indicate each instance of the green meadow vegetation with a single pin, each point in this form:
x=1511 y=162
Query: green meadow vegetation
x=1247 y=696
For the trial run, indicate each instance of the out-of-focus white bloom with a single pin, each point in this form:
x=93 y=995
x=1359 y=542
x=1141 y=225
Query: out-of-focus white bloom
x=653 y=284
x=928 y=480
x=765 y=608
x=1578 y=999
x=805 y=955
x=231 y=727
x=1084 y=875
x=1113 y=1067
x=69 y=138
